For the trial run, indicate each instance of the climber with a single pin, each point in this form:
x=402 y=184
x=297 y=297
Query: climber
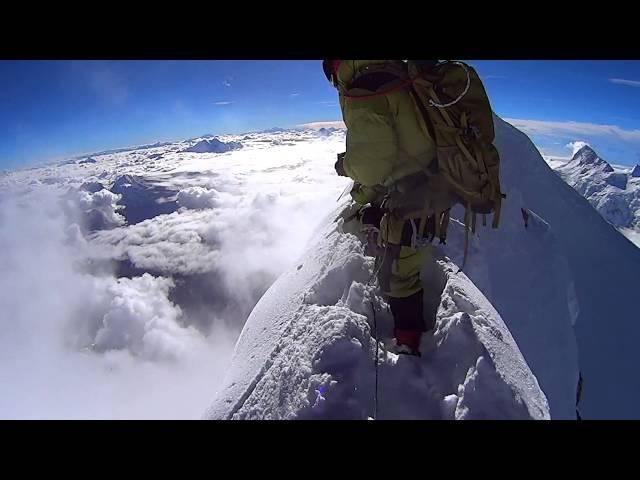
x=383 y=130
x=419 y=141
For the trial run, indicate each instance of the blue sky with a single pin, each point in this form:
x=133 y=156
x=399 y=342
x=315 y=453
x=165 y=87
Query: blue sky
x=53 y=109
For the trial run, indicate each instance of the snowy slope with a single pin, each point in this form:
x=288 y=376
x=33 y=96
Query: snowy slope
x=613 y=192
x=605 y=268
x=524 y=272
x=306 y=351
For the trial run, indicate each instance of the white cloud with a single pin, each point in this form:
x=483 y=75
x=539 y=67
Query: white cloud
x=575 y=146
x=145 y=363
x=223 y=103
x=622 y=81
x=244 y=218
x=294 y=95
x=198 y=198
x=227 y=81
x=240 y=227
x=244 y=235
x=138 y=317
x=181 y=242
x=574 y=129
x=104 y=202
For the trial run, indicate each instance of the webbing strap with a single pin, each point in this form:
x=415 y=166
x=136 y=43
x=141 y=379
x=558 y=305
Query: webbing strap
x=423 y=218
x=497 y=210
x=450 y=123
x=414 y=233
x=437 y=220
x=467 y=153
x=467 y=219
x=463 y=120
x=476 y=162
x=395 y=88
x=445 y=224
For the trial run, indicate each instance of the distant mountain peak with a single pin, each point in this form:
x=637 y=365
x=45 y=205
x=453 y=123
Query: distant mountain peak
x=213 y=145
x=587 y=156
x=636 y=171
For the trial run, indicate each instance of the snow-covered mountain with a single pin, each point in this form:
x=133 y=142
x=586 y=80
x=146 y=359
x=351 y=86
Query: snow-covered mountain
x=213 y=145
x=614 y=192
x=605 y=268
x=129 y=280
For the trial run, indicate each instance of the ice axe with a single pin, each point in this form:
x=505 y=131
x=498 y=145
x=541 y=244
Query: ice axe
x=340 y=171
x=346 y=190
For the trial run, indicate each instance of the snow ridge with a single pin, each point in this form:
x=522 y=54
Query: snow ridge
x=307 y=350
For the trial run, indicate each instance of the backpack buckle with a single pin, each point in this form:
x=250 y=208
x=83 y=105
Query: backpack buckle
x=472 y=132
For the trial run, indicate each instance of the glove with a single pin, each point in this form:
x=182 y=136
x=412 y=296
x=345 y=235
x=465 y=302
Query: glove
x=339 y=165
x=371 y=215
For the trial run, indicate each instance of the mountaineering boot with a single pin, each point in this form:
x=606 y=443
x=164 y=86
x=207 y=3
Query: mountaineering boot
x=407 y=341
x=408 y=322
x=393 y=346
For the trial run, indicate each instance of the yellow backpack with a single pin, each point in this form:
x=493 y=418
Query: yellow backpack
x=457 y=112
